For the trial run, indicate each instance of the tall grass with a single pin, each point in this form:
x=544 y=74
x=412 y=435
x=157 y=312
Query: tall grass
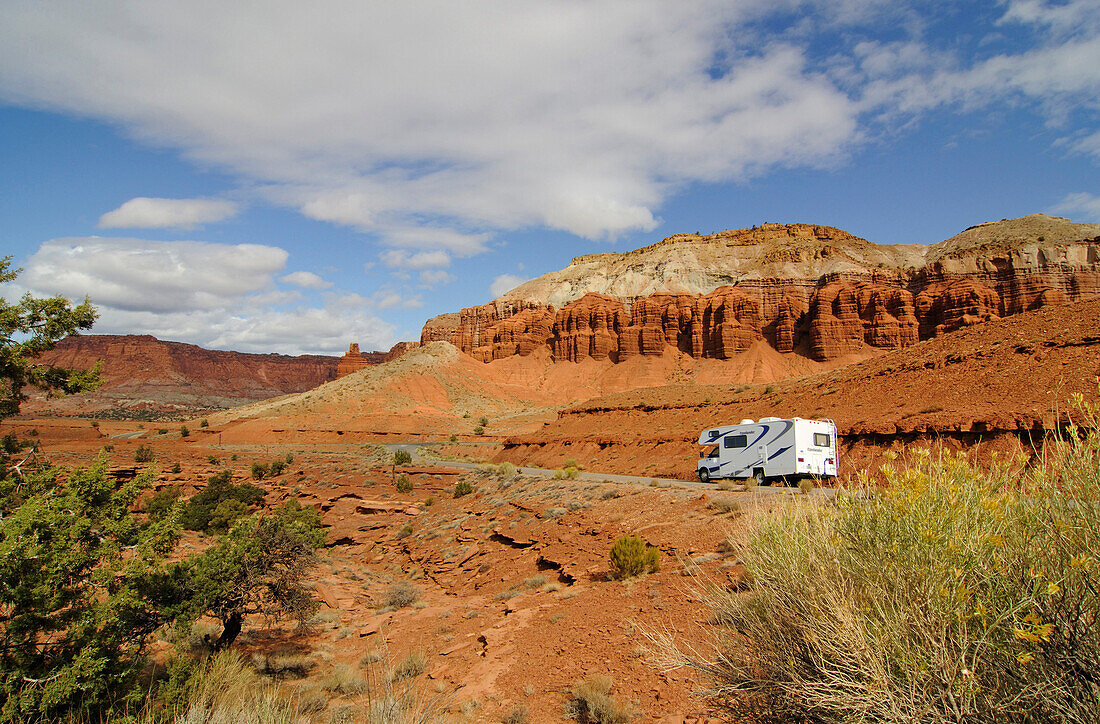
x=952 y=594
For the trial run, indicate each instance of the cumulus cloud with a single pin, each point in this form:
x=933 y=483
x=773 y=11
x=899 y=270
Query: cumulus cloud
x=306 y=280
x=396 y=258
x=1081 y=205
x=436 y=124
x=147 y=213
x=215 y=295
x=458 y=119
x=505 y=283
x=436 y=277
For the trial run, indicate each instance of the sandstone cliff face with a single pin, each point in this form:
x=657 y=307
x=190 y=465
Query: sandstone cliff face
x=143 y=372
x=802 y=288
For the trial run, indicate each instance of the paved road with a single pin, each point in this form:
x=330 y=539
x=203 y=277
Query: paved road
x=414 y=450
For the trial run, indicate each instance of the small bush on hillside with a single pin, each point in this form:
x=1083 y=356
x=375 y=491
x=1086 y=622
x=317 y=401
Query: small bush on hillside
x=260 y=470
x=479 y=430
x=402 y=457
x=591 y=702
x=160 y=503
x=410 y=667
x=162 y=431
x=143 y=454
x=184 y=432
x=453 y=438
x=204 y=423
x=402 y=594
x=569 y=473
x=275 y=468
x=463 y=488
x=175 y=468
x=405 y=532
x=289 y=458
x=630 y=556
x=963 y=594
x=292 y=511
x=205 y=509
x=483 y=421
x=403 y=484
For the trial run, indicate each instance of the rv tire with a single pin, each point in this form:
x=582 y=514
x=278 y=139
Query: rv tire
x=704 y=475
x=759 y=475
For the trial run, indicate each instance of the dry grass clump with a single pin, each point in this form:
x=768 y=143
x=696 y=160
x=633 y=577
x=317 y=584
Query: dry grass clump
x=591 y=702
x=402 y=594
x=282 y=664
x=226 y=691
x=950 y=595
x=346 y=681
x=724 y=505
x=409 y=667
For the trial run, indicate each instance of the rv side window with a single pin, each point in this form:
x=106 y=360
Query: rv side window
x=737 y=441
x=821 y=439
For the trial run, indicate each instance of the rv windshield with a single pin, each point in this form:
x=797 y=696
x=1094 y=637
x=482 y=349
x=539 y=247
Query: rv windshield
x=713 y=453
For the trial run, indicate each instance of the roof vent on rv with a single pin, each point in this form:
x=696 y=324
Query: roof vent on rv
x=770 y=419
x=746 y=422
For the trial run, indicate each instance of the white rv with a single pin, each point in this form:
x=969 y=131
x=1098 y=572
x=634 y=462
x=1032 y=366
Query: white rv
x=769 y=449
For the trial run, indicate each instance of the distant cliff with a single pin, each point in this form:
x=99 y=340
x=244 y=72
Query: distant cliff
x=143 y=375
x=814 y=290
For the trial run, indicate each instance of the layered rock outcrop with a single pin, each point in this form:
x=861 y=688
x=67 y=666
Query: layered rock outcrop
x=802 y=288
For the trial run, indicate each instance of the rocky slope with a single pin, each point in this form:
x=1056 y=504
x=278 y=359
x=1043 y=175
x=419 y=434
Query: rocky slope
x=994 y=388
x=814 y=290
x=145 y=376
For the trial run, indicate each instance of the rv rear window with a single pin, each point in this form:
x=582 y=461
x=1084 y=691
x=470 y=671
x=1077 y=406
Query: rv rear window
x=737 y=441
x=821 y=439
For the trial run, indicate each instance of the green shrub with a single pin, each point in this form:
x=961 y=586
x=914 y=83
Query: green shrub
x=143 y=454
x=402 y=457
x=162 y=431
x=260 y=470
x=630 y=556
x=962 y=594
x=462 y=487
x=479 y=430
x=292 y=511
x=404 y=484
x=160 y=503
x=184 y=432
x=405 y=532
x=175 y=468
x=453 y=438
x=275 y=468
x=289 y=458
x=483 y=421
x=204 y=423
x=212 y=459
x=205 y=510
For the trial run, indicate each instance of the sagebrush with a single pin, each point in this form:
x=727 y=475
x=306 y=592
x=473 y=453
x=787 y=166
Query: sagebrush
x=951 y=594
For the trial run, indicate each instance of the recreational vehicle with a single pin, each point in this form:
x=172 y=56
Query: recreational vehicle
x=770 y=449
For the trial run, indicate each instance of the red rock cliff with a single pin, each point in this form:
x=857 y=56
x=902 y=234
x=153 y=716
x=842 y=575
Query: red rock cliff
x=815 y=290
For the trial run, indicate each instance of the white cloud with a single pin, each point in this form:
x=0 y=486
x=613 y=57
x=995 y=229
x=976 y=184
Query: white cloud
x=306 y=280
x=214 y=295
x=389 y=299
x=161 y=276
x=1084 y=206
x=436 y=277
x=461 y=118
x=504 y=283
x=396 y=258
x=147 y=213
x=435 y=124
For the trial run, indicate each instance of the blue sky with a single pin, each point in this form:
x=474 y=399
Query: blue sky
x=290 y=177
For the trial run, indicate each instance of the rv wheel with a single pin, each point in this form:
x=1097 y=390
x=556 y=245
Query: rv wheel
x=759 y=475
x=704 y=475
